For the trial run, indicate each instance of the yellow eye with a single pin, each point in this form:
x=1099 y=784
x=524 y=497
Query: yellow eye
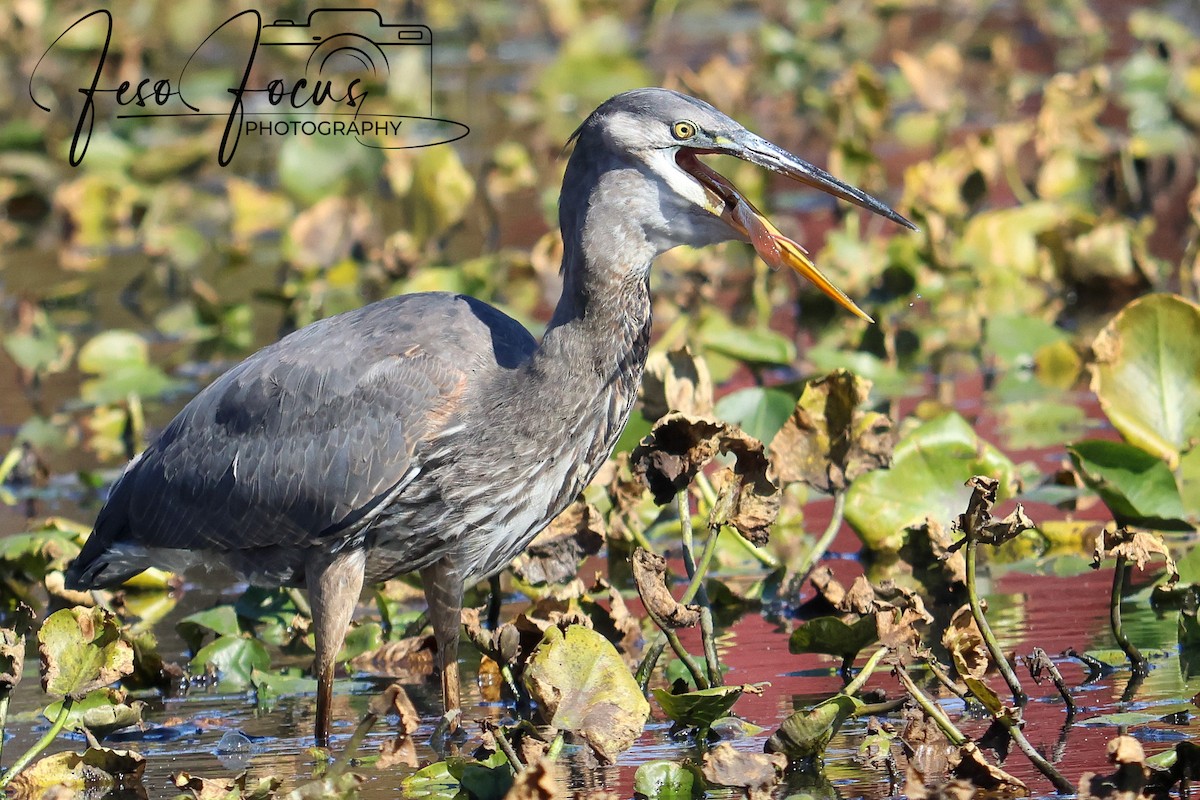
x=683 y=130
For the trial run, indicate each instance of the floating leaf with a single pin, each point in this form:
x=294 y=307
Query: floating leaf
x=700 y=708
x=930 y=467
x=832 y=636
x=234 y=788
x=221 y=620
x=102 y=712
x=807 y=732
x=1147 y=374
x=664 y=780
x=1137 y=487
x=234 y=658
x=582 y=685
x=82 y=650
x=112 y=350
x=96 y=768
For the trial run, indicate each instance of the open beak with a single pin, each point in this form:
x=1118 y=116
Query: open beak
x=726 y=202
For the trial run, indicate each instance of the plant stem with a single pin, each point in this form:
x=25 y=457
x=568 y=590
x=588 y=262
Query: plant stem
x=855 y=685
x=711 y=660
x=41 y=744
x=931 y=709
x=1061 y=784
x=1136 y=660
x=998 y=657
x=709 y=496
x=945 y=679
x=4 y=698
x=649 y=660
x=683 y=504
x=686 y=658
x=831 y=530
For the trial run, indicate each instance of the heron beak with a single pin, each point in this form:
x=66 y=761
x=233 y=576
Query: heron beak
x=726 y=202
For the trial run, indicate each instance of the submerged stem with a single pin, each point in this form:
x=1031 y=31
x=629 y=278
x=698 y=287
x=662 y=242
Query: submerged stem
x=1136 y=660
x=4 y=698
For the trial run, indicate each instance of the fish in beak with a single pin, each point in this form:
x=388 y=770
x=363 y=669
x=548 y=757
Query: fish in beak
x=726 y=202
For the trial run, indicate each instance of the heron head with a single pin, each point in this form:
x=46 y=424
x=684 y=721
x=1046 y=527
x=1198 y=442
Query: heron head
x=662 y=134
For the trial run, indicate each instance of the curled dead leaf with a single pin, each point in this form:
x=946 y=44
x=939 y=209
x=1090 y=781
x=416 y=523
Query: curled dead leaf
x=537 y=781
x=963 y=640
x=1136 y=546
x=394 y=700
x=12 y=646
x=680 y=445
x=749 y=503
x=977 y=521
x=828 y=441
x=649 y=573
x=756 y=773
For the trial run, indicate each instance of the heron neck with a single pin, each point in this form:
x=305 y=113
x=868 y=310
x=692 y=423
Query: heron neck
x=601 y=325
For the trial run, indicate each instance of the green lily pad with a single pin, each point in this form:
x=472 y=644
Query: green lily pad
x=754 y=346
x=930 y=467
x=235 y=659
x=1137 y=487
x=102 y=712
x=699 y=708
x=582 y=685
x=1147 y=374
x=489 y=779
x=664 y=780
x=221 y=620
x=831 y=636
x=758 y=411
x=82 y=650
x=112 y=350
x=806 y=733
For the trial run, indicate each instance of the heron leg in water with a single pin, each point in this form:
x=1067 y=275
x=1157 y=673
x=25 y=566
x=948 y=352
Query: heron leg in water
x=334 y=583
x=443 y=593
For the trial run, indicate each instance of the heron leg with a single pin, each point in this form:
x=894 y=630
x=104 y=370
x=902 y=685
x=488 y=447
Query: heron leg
x=335 y=581
x=443 y=593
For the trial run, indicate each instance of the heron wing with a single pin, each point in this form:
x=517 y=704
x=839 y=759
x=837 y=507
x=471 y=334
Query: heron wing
x=305 y=437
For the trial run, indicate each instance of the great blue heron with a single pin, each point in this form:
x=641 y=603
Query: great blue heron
x=432 y=433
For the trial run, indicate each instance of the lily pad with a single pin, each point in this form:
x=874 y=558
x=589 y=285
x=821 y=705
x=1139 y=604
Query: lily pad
x=582 y=685
x=930 y=467
x=701 y=708
x=235 y=659
x=1137 y=487
x=102 y=712
x=1147 y=374
x=832 y=636
x=759 y=411
x=664 y=780
x=221 y=620
x=806 y=733
x=82 y=650
x=96 y=768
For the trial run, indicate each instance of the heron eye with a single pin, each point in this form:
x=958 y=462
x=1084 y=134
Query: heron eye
x=683 y=130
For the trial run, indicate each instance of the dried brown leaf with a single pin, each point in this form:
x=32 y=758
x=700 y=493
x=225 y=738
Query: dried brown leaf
x=969 y=764
x=1129 y=779
x=408 y=660
x=12 y=646
x=756 y=773
x=679 y=446
x=537 y=781
x=649 y=573
x=394 y=700
x=828 y=441
x=748 y=503
x=224 y=788
x=964 y=642
x=400 y=750
x=829 y=587
x=1136 y=546
x=977 y=521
